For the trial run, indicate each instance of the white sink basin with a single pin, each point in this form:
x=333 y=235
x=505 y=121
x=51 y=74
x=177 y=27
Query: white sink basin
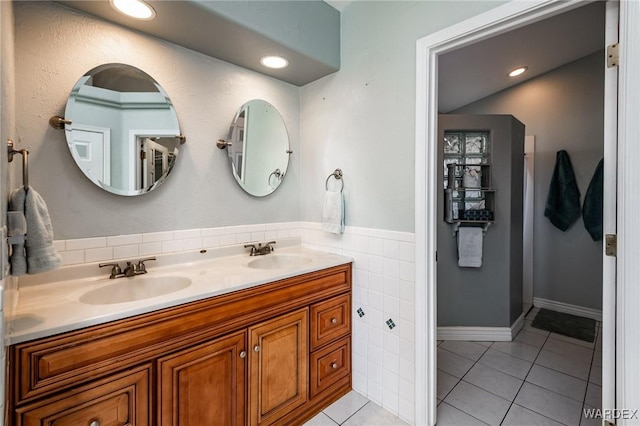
x=136 y=288
x=279 y=261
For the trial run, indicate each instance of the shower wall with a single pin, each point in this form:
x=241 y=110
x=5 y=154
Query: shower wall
x=489 y=296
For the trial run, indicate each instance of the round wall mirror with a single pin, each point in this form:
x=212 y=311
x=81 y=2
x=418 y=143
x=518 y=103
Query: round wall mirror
x=122 y=129
x=258 y=148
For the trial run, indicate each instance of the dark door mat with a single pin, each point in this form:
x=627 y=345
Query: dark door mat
x=565 y=324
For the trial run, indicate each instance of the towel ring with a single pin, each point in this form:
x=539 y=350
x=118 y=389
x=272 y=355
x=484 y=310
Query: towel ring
x=337 y=175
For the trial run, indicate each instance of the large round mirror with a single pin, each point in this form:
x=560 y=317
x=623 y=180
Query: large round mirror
x=258 y=148
x=123 y=132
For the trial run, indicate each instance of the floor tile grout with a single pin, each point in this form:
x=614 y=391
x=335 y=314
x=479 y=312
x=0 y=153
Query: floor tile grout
x=540 y=348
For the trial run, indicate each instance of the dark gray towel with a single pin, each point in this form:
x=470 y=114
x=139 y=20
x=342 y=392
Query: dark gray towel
x=563 y=201
x=592 y=206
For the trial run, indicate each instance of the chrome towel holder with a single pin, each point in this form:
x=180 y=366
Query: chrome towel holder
x=25 y=161
x=337 y=175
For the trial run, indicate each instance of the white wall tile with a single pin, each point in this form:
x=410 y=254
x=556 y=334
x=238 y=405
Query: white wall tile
x=153 y=237
x=148 y=249
x=186 y=233
x=391 y=268
x=392 y=347
x=172 y=246
x=376 y=246
x=391 y=287
x=407 y=411
x=406 y=251
x=390 y=401
x=376 y=282
x=227 y=240
x=123 y=240
x=407 y=370
x=407 y=310
x=98 y=254
x=392 y=308
x=258 y=236
x=210 y=232
x=85 y=243
x=60 y=245
x=192 y=243
x=407 y=291
x=375 y=337
x=244 y=237
x=359 y=382
x=73 y=257
x=376 y=300
x=211 y=241
x=270 y=235
x=125 y=252
x=407 y=271
x=391 y=249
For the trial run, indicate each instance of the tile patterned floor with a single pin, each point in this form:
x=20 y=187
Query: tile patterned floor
x=540 y=378
x=354 y=409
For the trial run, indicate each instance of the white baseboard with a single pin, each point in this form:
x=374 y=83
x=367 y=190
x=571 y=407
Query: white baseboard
x=482 y=334
x=567 y=308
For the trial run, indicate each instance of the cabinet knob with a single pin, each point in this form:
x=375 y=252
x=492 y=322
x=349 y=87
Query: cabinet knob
x=334 y=321
x=94 y=423
x=256 y=348
x=334 y=365
x=243 y=354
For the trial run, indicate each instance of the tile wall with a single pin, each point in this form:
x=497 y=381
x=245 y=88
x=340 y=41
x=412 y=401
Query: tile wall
x=383 y=291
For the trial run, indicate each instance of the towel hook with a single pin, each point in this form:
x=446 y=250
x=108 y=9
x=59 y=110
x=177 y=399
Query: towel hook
x=25 y=161
x=337 y=175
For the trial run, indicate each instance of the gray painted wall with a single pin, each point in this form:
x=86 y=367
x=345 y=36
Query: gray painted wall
x=564 y=110
x=489 y=296
x=55 y=46
x=295 y=24
x=362 y=118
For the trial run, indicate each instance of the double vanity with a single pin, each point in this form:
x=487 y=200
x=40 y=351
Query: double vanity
x=213 y=337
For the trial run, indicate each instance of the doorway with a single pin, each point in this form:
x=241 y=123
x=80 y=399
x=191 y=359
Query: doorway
x=502 y=19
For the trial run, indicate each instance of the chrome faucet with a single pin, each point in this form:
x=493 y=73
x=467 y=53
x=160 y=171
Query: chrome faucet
x=260 y=250
x=131 y=270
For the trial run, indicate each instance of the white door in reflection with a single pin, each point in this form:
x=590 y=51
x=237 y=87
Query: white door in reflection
x=154 y=161
x=91 y=149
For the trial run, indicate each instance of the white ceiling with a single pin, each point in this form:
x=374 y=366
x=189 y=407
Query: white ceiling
x=479 y=70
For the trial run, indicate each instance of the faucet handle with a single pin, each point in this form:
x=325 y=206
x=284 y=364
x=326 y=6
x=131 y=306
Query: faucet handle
x=115 y=270
x=253 y=249
x=269 y=244
x=142 y=268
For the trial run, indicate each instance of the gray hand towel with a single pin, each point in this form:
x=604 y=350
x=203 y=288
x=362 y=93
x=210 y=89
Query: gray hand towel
x=37 y=254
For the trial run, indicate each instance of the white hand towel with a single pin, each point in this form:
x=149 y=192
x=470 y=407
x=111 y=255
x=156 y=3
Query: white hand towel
x=333 y=212
x=470 y=247
x=37 y=254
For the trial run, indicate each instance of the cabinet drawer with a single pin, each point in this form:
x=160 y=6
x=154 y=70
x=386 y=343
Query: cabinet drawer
x=122 y=400
x=330 y=365
x=330 y=320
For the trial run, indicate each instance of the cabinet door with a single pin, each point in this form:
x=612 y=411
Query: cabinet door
x=122 y=400
x=204 y=385
x=278 y=367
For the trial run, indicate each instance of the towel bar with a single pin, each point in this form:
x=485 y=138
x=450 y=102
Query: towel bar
x=25 y=161
x=337 y=175
x=485 y=226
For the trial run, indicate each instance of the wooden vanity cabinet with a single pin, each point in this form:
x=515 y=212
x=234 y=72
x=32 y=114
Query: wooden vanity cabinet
x=244 y=358
x=122 y=399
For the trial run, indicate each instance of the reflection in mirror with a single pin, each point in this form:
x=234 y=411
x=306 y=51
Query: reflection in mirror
x=123 y=131
x=259 y=148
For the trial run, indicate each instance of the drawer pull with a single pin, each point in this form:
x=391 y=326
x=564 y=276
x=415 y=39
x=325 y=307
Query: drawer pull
x=243 y=354
x=334 y=365
x=94 y=423
x=334 y=321
x=256 y=348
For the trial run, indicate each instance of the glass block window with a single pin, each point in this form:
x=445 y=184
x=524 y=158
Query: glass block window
x=468 y=148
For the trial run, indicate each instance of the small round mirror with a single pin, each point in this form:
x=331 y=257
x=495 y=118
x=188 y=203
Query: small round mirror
x=124 y=132
x=258 y=148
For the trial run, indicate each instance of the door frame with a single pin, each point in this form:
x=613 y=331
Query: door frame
x=499 y=20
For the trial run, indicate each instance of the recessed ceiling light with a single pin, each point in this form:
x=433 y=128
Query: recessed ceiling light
x=516 y=72
x=274 y=62
x=134 y=8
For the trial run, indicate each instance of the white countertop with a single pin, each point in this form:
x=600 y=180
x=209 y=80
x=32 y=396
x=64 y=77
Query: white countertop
x=51 y=304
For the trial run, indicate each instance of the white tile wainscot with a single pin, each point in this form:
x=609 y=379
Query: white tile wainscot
x=383 y=287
